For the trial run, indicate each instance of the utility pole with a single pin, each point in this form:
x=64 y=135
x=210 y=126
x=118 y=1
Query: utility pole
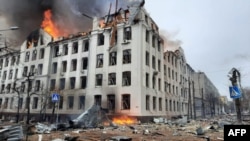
x=233 y=79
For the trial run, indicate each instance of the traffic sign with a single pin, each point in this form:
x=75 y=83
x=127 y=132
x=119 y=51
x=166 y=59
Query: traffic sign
x=55 y=97
x=234 y=92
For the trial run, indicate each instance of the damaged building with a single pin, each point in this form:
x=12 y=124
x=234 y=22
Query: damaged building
x=119 y=65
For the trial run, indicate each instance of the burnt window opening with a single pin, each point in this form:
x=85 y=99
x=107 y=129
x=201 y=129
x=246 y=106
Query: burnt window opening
x=112 y=79
x=159 y=65
x=86 y=46
x=35 y=103
x=4 y=75
x=126 y=78
x=99 y=61
x=40 y=69
x=73 y=65
x=6 y=62
x=56 y=51
x=147 y=102
x=13 y=60
x=81 y=102
x=111 y=102
x=54 y=68
x=83 y=82
x=25 y=71
x=72 y=82
x=160 y=104
x=112 y=58
x=16 y=72
x=22 y=87
x=125 y=101
x=84 y=63
x=147 y=80
x=147 y=36
x=98 y=81
x=37 y=85
x=52 y=84
x=75 y=48
x=10 y=74
x=2 y=88
x=8 y=88
x=127 y=56
x=154 y=103
x=154 y=82
x=5 y=106
x=70 y=102
x=147 y=58
x=127 y=33
x=41 y=40
x=41 y=54
x=65 y=49
x=64 y=66
x=100 y=39
x=61 y=102
x=34 y=54
x=98 y=100
x=62 y=84
x=153 y=62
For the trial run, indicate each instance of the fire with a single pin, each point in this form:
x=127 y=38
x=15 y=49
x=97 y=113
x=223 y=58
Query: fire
x=49 y=26
x=124 y=120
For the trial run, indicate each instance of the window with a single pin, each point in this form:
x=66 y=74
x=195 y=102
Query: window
x=85 y=46
x=70 y=102
x=159 y=65
x=8 y=88
x=147 y=102
x=98 y=100
x=160 y=104
x=159 y=45
x=173 y=74
x=126 y=78
x=37 y=85
x=153 y=62
x=41 y=40
x=112 y=79
x=54 y=68
x=10 y=74
x=62 y=84
x=56 y=51
x=154 y=81
x=13 y=60
x=40 y=69
x=2 y=88
x=112 y=58
x=64 y=66
x=35 y=103
x=154 y=103
x=27 y=56
x=125 y=101
x=100 y=40
x=22 y=87
x=127 y=56
x=174 y=105
x=16 y=74
x=81 y=102
x=165 y=86
x=4 y=75
x=25 y=71
x=1 y=64
x=147 y=58
x=73 y=65
x=147 y=80
x=153 y=41
x=1 y=102
x=159 y=84
x=84 y=63
x=127 y=33
x=18 y=60
x=41 y=55
x=165 y=70
x=146 y=19
x=98 y=80
x=169 y=73
x=60 y=102
x=34 y=54
x=83 y=82
x=5 y=106
x=32 y=69
x=147 y=36
x=99 y=60
x=21 y=103
x=65 y=49
x=166 y=104
x=72 y=82
x=75 y=48
x=111 y=102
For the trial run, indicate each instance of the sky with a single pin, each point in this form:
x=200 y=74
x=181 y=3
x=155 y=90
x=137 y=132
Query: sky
x=214 y=34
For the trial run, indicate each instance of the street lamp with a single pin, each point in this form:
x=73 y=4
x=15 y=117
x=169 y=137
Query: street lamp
x=10 y=28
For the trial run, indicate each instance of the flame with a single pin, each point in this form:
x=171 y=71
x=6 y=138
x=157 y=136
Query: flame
x=49 y=26
x=124 y=120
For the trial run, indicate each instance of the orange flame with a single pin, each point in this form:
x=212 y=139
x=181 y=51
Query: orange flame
x=124 y=120
x=49 y=26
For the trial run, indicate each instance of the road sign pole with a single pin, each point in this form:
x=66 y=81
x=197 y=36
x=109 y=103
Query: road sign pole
x=57 y=115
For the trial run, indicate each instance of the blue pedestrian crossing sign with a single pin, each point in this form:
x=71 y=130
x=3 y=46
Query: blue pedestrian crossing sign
x=55 y=97
x=234 y=92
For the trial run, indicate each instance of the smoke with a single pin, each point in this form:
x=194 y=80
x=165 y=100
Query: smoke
x=170 y=43
x=28 y=14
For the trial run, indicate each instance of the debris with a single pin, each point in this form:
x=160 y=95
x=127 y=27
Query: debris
x=200 y=131
x=146 y=132
x=120 y=138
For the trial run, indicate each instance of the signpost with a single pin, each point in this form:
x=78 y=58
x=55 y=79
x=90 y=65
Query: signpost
x=56 y=98
x=234 y=92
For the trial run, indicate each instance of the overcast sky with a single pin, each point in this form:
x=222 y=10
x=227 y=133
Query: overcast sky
x=215 y=35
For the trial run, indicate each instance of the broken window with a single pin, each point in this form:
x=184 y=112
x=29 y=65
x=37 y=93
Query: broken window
x=54 y=68
x=147 y=80
x=166 y=104
x=100 y=39
x=27 y=56
x=35 y=103
x=159 y=65
x=153 y=81
x=13 y=60
x=34 y=53
x=112 y=58
x=73 y=65
x=65 y=49
x=159 y=84
x=56 y=51
x=41 y=54
x=37 y=85
x=6 y=102
x=147 y=102
x=98 y=80
x=10 y=74
x=6 y=62
x=84 y=63
x=22 y=87
x=112 y=79
x=160 y=104
x=64 y=66
x=147 y=36
x=85 y=46
x=126 y=101
x=62 y=84
x=83 y=82
x=111 y=102
x=60 y=102
x=154 y=103
x=72 y=82
x=52 y=84
x=127 y=56
x=81 y=102
x=127 y=33
x=70 y=102
x=147 y=58
x=126 y=78
x=25 y=71
x=40 y=69
x=75 y=48
x=153 y=62
x=98 y=100
x=99 y=61
x=16 y=72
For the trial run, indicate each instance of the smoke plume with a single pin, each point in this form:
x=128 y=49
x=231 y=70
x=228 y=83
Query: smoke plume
x=169 y=42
